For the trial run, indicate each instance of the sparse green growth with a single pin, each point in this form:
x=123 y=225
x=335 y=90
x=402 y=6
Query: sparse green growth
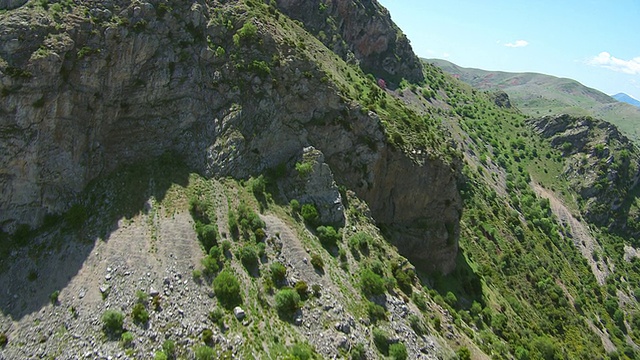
x=287 y=301
x=398 y=351
x=278 y=271
x=112 y=321
x=126 y=339
x=301 y=288
x=317 y=262
x=376 y=312
x=302 y=351
x=205 y=353
x=310 y=214
x=207 y=336
x=381 y=340
x=304 y=169
x=328 y=235
x=371 y=283
x=54 y=297
x=140 y=314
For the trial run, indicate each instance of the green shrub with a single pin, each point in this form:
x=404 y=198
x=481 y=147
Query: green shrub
x=126 y=339
x=287 y=301
x=248 y=255
x=360 y=241
x=398 y=351
x=371 y=283
x=169 y=348
x=376 y=312
x=248 y=218
x=310 y=214
x=141 y=297
x=233 y=223
x=464 y=353
x=207 y=336
x=216 y=316
x=316 y=290
x=226 y=246
x=258 y=185
x=417 y=324
x=227 y=289
x=358 y=352
x=260 y=234
x=207 y=234
x=381 y=340
x=197 y=275
x=302 y=351
x=328 y=235
x=419 y=300
x=112 y=321
x=301 y=288
x=210 y=265
x=248 y=31
x=160 y=355
x=295 y=205
x=405 y=282
x=54 y=297
x=140 y=314
x=215 y=252
x=205 y=353
x=317 y=262
x=278 y=271
x=451 y=299
x=304 y=169
x=4 y=340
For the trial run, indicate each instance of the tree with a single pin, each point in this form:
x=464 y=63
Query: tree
x=112 y=321
x=310 y=214
x=278 y=271
x=371 y=283
x=287 y=301
x=227 y=289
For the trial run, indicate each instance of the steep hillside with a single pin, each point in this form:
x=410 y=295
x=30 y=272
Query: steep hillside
x=232 y=179
x=538 y=95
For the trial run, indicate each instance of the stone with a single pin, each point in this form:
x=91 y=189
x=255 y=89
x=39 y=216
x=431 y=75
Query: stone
x=239 y=313
x=153 y=292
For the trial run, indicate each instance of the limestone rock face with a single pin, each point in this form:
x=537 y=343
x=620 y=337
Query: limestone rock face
x=11 y=4
x=126 y=81
x=359 y=29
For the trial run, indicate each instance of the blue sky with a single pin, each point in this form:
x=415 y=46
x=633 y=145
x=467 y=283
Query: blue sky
x=596 y=42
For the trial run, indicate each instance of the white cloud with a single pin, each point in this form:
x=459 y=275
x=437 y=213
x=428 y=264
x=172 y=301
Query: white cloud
x=605 y=60
x=517 y=44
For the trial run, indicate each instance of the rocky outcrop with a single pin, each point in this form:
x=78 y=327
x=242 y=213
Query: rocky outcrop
x=227 y=92
x=11 y=4
x=362 y=30
x=601 y=164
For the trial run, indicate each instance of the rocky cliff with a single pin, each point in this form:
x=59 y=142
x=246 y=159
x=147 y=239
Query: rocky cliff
x=235 y=88
x=601 y=164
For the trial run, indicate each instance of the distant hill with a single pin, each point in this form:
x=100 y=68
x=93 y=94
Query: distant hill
x=626 y=99
x=538 y=94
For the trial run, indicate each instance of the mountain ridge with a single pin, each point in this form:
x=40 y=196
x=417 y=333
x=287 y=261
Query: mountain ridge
x=539 y=94
x=626 y=99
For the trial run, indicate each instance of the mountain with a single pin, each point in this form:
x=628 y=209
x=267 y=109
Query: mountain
x=626 y=99
x=286 y=180
x=539 y=94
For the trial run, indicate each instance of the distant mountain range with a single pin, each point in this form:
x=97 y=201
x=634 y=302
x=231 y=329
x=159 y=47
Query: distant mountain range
x=626 y=99
x=538 y=94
